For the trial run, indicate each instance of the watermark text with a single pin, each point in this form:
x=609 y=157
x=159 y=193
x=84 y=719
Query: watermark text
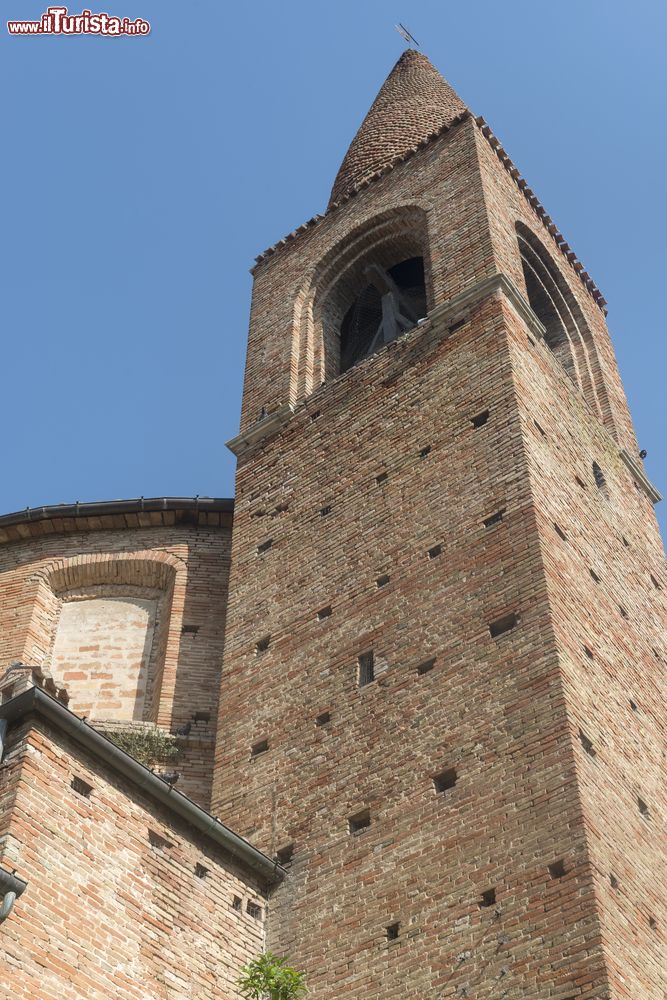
x=58 y=21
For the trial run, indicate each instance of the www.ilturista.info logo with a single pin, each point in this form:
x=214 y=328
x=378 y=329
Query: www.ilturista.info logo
x=57 y=21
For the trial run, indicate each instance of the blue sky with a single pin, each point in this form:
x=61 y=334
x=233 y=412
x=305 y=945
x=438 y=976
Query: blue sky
x=142 y=176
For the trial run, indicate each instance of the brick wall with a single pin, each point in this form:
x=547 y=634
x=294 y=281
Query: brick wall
x=607 y=590
x=384 y=518
x=114 y=907
x=283 y=339
x=493 y=709
x=175 y=576
x=607 y=587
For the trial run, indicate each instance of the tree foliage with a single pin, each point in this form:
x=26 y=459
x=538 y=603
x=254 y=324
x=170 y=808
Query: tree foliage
x=268 y=977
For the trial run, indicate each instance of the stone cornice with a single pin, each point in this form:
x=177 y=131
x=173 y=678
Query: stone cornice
x=267 y=427
x=640 y=477
x=439 y=321
x=457 y=307
x=33 y=522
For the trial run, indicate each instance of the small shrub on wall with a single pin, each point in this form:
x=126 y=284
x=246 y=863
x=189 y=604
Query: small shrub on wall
x=270 y=978
x=148 y=746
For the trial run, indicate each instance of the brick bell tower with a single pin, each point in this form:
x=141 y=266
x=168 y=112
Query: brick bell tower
x=444 y=684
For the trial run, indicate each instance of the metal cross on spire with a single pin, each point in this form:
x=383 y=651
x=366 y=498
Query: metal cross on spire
x=404 y=33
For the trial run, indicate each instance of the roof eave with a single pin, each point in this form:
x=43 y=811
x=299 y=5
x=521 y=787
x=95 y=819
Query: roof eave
x=35 y=701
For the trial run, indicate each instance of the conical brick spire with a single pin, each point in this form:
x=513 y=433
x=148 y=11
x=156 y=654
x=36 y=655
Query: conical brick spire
x=413 y=103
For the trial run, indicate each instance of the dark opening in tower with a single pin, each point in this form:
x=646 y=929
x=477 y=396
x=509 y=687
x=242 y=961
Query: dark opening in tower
x=544 y=296
x=554 y=304
x=392 y=302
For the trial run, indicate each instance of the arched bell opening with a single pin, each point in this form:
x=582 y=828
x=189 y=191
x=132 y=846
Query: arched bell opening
x=371 y=287
x=393 y=302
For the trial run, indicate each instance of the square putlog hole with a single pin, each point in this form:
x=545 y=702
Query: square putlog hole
x=488 y=898
x=445 y=780
x=285 y=855
x=262 y=644
x=360 y=821
x=81 y=787
x=504 y=624
x=480 y=419
x=156 y=839
x=425 y=667
x=557 y=869
x=496 y=518
x=259 y=748
x=587 y=744
x=643 y=808
x=365 y=669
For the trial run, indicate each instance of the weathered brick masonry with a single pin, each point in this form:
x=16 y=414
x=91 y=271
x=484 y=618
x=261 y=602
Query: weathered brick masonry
x=441 y=610
x=606 y=584
x=125 y=897
x=77 y=585
x=450 y=833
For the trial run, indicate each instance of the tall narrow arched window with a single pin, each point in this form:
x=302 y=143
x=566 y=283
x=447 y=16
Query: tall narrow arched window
x=567 y=332
x=547 y=302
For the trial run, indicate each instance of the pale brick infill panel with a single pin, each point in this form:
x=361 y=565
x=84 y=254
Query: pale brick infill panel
x=614 y=661
x=184 y=568
x=491 y=708
x=113 y=908
x=102 y=651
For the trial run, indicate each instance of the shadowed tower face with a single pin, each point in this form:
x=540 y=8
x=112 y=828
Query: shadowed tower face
x=447 y=590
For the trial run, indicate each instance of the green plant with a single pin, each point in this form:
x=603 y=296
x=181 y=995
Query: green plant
x=148 y=746
x=268 y=977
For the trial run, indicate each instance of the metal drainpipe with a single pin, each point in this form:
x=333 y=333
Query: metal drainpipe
x=13 y=886
x=7 y=906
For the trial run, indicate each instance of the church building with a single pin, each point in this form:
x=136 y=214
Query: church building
x=396 y=711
